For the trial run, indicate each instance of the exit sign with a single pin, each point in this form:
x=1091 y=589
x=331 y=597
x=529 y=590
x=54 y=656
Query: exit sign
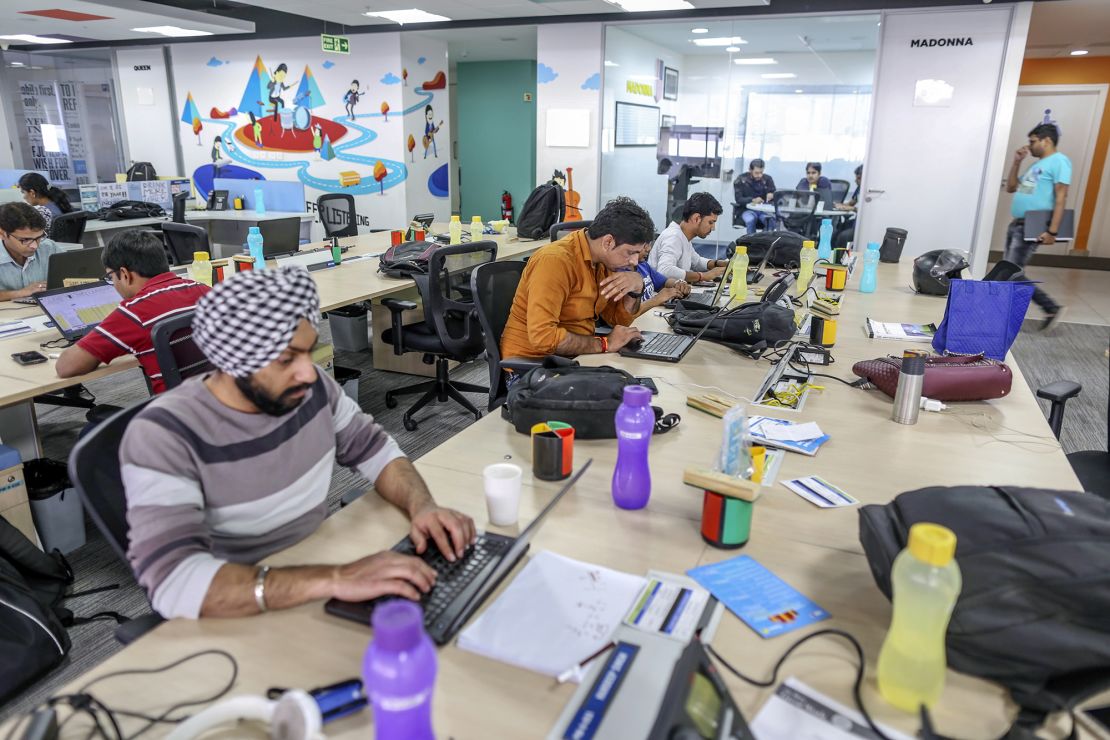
x=335 y=44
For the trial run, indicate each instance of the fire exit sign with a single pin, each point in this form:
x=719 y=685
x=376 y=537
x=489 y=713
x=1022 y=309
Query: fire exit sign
x=335 y=44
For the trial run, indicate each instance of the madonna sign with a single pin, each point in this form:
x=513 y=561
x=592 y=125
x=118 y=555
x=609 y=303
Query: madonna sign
x=927 y=43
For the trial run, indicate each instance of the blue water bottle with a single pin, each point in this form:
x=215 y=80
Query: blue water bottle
x=867 y=281
x=259 y=202
x=254 y=246
x=824 y=247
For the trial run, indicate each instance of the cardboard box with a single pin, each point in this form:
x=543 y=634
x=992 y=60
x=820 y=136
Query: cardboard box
x=13 y=502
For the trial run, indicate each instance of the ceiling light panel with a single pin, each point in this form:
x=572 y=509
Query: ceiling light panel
x=755 y=60
x=719 y=41
x=411 y=15
x=173 y=31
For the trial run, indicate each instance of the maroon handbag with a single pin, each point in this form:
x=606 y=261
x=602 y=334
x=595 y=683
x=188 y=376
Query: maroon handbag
x=947 y=377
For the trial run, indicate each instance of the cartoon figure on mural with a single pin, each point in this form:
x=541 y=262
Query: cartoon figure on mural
x=430 y=132
x=276 y=87
x=317 y=137
x=256 y=129
x=350 y=99
x=218 y=159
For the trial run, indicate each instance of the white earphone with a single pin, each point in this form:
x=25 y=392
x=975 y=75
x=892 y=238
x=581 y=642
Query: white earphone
x=295 y=716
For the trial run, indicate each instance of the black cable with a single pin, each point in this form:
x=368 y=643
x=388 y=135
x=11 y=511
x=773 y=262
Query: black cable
x=856 y=687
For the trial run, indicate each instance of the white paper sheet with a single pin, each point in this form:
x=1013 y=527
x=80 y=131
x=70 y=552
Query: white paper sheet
x=556 y=612
x=793 y=432
x=798 y=712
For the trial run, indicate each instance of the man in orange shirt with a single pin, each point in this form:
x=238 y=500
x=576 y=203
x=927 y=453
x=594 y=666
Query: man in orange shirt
x=571 y=282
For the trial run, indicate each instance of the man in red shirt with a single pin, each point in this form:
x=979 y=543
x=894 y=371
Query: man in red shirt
x=136 y=263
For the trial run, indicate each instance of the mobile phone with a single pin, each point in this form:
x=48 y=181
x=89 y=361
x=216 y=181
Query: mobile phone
x=649 y=383
x=29 y=358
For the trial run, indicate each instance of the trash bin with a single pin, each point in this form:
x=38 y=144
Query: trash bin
x=349 y=330
x=55 y=506
x=893 y=242
x=347 y=377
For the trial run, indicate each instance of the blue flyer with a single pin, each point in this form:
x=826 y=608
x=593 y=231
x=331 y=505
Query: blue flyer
x=762 y=600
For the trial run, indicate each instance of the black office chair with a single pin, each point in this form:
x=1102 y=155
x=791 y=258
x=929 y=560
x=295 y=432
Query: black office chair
x=794 y=209
x=561 y=229
x=337 y=214
x=450 y=329
x=1092 y=467
x=840 y=190
x=178 y=355
x=495 y=285
x=94 y=470
x=69 y=227
x=179 y=207
x=182 y=240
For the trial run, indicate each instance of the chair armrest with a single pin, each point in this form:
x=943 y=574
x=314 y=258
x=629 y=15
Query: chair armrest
x=396 y=308
x=1060 y=391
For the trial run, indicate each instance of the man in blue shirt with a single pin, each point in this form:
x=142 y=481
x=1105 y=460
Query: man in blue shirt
x=658 y=288
x=26 y=251
x=1043 y=187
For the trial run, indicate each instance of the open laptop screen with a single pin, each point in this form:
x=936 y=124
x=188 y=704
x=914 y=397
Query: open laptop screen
x=77 y=310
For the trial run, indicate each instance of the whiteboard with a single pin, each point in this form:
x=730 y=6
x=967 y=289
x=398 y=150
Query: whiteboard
x=568 y=127
x=636 y=125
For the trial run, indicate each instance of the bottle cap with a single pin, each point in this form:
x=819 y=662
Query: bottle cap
x=254 y=230
x=809 y=244
x=932 y=543
x=200 y=256
x=741 y=249
x=872 y=245
x=637 y=395
x=398 y=625
x=454 y=218
x=475 y=218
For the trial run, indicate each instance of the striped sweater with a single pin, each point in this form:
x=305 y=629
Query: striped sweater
x=207 y=484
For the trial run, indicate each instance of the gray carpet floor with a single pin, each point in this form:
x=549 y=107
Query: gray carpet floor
x=1071 y=351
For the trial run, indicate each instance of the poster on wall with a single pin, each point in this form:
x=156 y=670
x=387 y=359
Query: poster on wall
x=69 y=97
x=46 y=132
x=283 y=110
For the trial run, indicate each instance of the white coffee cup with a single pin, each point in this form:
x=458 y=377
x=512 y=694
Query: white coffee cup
x=502 y=481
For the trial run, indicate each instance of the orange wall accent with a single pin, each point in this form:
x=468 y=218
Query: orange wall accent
x=1078 y=71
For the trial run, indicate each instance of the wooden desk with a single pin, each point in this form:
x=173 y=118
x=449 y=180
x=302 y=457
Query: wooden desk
x=815 y=550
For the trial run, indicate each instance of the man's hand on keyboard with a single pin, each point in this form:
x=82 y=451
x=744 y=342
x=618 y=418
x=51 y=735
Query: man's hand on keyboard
x=622 y=335
x=452 y=532
x=383 y=574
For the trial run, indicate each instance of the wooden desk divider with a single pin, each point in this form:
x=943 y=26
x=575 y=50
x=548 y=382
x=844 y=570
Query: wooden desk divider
x=711 y=404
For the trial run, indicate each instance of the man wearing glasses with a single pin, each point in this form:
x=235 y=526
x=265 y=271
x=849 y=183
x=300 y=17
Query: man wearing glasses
x=135 y=262
x=26 y=251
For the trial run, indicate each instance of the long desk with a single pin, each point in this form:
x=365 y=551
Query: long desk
x=815 y=550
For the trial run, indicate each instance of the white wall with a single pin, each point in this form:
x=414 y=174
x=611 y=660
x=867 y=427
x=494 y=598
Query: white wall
x=633 y=171
x=423 y=57
x=572 y=52
x=149 y=108
x=934 y=170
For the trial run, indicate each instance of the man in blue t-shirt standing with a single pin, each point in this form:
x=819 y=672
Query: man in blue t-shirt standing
x=1043 y=187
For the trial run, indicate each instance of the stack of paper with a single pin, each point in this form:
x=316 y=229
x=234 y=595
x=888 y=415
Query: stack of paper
x=555 y=613
x=786 y=435
x=798 y=712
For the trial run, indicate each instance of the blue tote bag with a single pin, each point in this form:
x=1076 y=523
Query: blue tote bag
x=982 y=317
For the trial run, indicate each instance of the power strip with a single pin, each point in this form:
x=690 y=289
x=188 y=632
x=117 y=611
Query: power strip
x=814 y=356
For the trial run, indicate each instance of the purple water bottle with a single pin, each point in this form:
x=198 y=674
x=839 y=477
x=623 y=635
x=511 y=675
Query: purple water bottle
x=635 y=423
x=399 y=671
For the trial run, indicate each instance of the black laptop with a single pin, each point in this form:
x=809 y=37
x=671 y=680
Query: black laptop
x=463 y=586
x=280 y=236
x=664 y=347
x=84 y=263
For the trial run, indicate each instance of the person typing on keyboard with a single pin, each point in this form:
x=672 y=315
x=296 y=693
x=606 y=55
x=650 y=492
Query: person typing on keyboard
x=229 y=468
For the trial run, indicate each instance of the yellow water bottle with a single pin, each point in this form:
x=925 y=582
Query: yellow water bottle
x=455 y=230
x=738 y=266
x=201 y=268
x=806 y=259
x=476 y=228
x=926 y=583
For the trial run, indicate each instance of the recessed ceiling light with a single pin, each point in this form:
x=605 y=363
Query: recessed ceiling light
x=16 y=64
x=779 y=76
x=173 y=31
x=647 y=6
x=719 y=41
x=755 y=60
x=699 y=30
x=1079 y=52
x=411 y=15
x=732 y=49
x=799 y=90
x=29 y=38
x=611 y=64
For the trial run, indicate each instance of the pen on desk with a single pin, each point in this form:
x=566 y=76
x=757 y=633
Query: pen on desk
x=568 y=674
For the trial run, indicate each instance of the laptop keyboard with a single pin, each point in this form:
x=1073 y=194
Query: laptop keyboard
x=452 y=578
x=662 y=344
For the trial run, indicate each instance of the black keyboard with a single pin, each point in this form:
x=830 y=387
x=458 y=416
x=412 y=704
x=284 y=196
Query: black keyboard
x=662 y=344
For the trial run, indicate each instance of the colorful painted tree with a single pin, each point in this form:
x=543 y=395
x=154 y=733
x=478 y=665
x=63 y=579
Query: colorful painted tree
x=255 y=94
x=404 y=77
x=197 y=128
x=379 y=174
x=308 y=92
x=411 y=146
x=385 y=111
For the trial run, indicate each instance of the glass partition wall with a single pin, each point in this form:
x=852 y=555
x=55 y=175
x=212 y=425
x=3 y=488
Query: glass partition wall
x=687 y=106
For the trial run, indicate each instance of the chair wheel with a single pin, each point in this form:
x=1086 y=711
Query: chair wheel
x=390 y=401
x=409 y=424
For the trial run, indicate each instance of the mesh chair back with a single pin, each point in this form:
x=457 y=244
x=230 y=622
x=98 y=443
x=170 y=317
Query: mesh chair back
x=794 y=209
x=840 y=190
x=94 y=470
x=69 y=227
x=448 y=301
x=178 y=355
x=561 y=229
x=494 y=288
x=182 y=240
x=337 y=214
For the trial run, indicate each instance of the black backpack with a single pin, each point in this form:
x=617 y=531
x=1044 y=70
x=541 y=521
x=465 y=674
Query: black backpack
x=584 y=397
x=787 y=247
x=141 y=171
x=127 y=209
x=750 y=328
x=407 y=259
x=543 y=209
x=1034 y=610
x=33 y=638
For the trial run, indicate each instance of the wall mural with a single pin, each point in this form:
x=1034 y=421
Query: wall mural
x=336 y=124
